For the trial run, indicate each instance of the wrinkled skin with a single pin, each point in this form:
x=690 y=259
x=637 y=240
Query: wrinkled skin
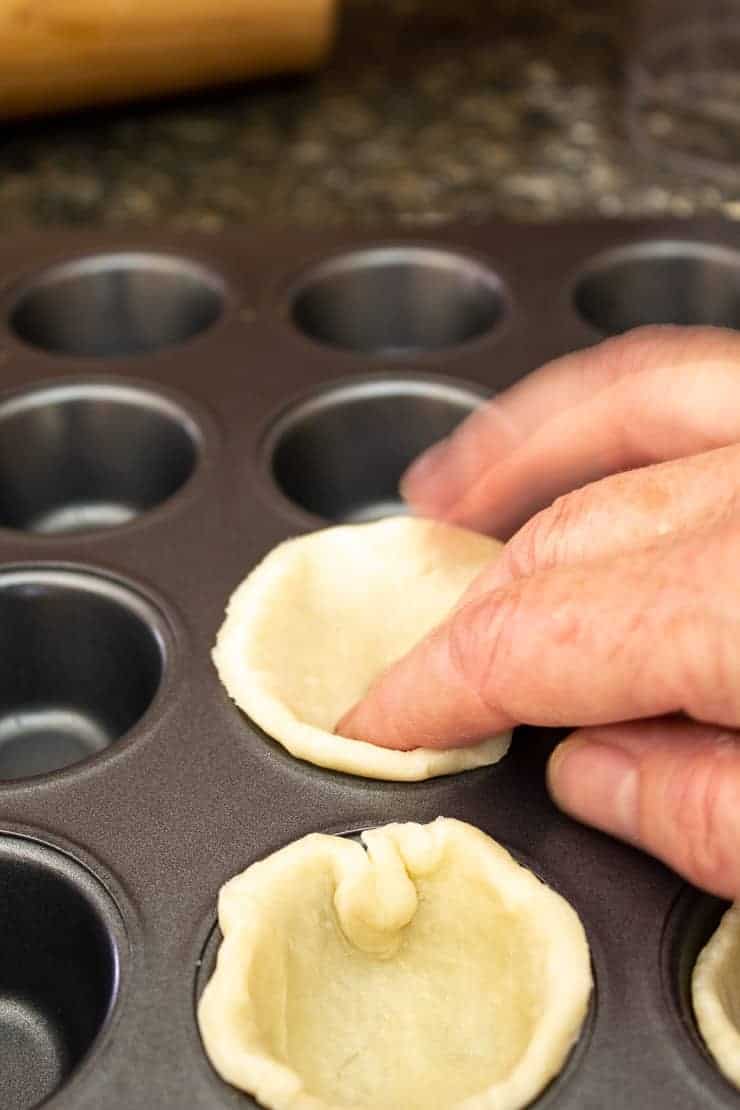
x=615 y=607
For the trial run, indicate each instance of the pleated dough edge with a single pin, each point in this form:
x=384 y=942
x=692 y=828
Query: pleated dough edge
x=570 y=979
x=324 y=749
x=720 y=1035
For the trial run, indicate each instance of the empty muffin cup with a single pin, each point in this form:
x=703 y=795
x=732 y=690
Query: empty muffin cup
x=60 y=938
x=81 y=659
x=80 y=457
x=341 y=453
x=115 y=305
x=661 y=283
x=398 y=300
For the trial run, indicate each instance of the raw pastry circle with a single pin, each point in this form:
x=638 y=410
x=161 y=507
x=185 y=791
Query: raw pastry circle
x=715 y=990
x=427 y=969
x=324 y=614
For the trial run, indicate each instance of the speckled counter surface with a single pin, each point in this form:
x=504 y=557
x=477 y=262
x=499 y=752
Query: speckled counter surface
x=429 y=110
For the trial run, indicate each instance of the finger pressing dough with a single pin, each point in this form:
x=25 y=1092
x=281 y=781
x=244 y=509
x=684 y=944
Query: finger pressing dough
x=427 y=969
x=323 y=615
x=715 y=989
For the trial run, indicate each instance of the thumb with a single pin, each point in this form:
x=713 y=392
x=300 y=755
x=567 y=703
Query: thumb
x=667 y=785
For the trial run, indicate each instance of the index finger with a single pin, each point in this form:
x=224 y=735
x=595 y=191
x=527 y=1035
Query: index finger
x=638 y=635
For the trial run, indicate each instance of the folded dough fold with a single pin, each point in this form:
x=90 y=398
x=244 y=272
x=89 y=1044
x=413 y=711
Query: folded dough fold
x=324 y=614
x=376 y=898
x=425 y=969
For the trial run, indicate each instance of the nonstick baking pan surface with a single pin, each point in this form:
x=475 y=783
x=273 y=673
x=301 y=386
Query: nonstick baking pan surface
x=173 y=407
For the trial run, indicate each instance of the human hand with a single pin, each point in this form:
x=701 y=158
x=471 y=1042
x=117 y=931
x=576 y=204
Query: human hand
x=615 y=609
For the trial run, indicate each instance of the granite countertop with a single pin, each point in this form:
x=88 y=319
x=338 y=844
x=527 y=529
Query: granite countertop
x=429 y=110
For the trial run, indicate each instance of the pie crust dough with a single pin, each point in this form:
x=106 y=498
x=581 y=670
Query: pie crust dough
x=427 y=969
x=715 y=989
x=323 y=615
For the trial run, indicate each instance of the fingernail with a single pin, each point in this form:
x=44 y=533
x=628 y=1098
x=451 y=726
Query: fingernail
x=419 y=483
x=597 y=783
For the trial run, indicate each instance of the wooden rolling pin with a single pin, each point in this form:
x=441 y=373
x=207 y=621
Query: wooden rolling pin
x=57 y=54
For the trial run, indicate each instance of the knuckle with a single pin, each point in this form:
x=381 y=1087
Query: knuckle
x=547 y=539
x=635 y=350
x=648 y=335
x=651 y=346
x=708 y=670
x=709 y=675
x=703 y=828
x=480 y=647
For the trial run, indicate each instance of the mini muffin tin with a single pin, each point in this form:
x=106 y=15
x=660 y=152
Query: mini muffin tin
x=172 y=407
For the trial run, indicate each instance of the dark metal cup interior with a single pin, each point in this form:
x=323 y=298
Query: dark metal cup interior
x=115 y=305
x=58 y=969
x=74 y=458
x=693 y=921
x=340 y=455
x=661 y=283
x=398 y=300
x=81 y=659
